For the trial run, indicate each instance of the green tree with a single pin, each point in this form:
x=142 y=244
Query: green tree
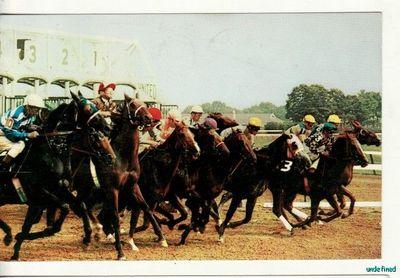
x=313 y=99
x=215 y=106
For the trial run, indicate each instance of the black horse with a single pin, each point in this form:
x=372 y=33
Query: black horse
x=44 y=172
x=250 y=180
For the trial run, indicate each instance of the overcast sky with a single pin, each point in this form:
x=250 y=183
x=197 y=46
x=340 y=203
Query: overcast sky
x=240 y=59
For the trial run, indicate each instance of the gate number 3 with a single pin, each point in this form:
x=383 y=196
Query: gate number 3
x=286 y=166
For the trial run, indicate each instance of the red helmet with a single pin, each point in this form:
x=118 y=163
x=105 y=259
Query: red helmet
x=102 y=87
x=156 y=113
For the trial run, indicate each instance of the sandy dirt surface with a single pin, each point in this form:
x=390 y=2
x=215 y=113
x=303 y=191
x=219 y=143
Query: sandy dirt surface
x=357 y=237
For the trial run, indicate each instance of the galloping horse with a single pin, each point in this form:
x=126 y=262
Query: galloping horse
x=120 y=172
x=324 y=184
x=44 y=174
x=159 y=166
x=251 y=180
x=365 y=137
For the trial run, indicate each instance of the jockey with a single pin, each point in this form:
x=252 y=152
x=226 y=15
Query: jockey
x=210 y=124
x=195 y=114
x=250 y=131
x=303 y=129
x=150 y=137
x=168 y=125
x=321 y=139
x=12 y=138
x=104 y=101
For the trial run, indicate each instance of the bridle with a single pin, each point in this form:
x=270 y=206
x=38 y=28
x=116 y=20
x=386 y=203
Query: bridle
x=135 y=116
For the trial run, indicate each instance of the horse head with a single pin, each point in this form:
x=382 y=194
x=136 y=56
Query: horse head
x=134 y=111
x=182 y=140
x=223 y=121
x=294 y=146
x=347 y=147
x=365 y=136
x=211 y=143
x=240 y=145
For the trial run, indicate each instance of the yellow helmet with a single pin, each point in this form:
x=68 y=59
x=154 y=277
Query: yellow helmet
x=309 y=118
x=254 y=121
x=334 y=119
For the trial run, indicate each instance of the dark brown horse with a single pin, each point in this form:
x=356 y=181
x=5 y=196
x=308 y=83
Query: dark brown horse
x=159 y=167
x=120 y=172
x=325 y=183
x=212 y=177
x=365 y=137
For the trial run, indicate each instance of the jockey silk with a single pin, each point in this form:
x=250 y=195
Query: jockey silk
x=13 y=132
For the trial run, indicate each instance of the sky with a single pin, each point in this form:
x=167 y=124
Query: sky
x=239 y=59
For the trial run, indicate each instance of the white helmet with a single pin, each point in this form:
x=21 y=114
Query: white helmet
x=34 y=100
x=174 y=114
x=196 y=109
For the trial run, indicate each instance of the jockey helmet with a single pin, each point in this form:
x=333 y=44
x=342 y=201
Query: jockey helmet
x=174 y=114
x=334 y=119
x=210 y=123
x=196 y=109
x=255 y=121
x=309 y=118
x=156 y=113
x=34 y=100
x=329 y=127
x=102 y=87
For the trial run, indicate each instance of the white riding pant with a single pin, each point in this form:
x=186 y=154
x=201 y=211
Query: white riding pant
x=13 y=148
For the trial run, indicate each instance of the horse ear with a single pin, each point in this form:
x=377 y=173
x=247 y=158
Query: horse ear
x=127 y=98
x=356 y=124
x=80 y=94
x=74 y=97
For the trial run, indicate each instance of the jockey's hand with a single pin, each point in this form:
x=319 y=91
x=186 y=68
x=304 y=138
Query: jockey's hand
x=33 y=134
x=105 y=113
x=326 y=154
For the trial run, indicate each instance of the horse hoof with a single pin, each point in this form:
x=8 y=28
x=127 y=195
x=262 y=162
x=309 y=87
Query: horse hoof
x=110 y=238
x=319 y=222
x=14 y=258
x=8 y=239
x=221 y=240
x=97 y=237
x=164 y=243
x=121 y=258
x=122 y=231
x=133 y=245
x=182 y=227
x=292 y=232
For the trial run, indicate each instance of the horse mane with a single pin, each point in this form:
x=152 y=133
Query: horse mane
x=55 y=116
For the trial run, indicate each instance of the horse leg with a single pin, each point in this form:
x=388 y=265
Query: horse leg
x=31 y=215
x=334 y=204
x=8 y=237
x=185 y=234
x=112 y=202
x=168 y=216
x=176 y=203
x=347 y=193
x=214 y=212
x=132 y=229
x=288 y=205
x=251 y=202
x=145 y=225
x=146 y=209
x=340 y=196
x=231 y=211
x=50 y=215
x=277 y=200
x=225 y=198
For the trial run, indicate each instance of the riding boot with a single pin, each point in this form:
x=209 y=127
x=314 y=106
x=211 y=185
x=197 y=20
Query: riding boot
x=7 y=161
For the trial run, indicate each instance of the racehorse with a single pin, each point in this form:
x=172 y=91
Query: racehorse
x=250 y=181
x=212 y=176
x=44 y=173
x=159 y=167
x=120 y=173
x=223 y=121
x=365 y=137
x=331 y=173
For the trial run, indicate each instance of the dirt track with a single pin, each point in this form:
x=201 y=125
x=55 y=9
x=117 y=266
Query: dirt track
x=357 y=237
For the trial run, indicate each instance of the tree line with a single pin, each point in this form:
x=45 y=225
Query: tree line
x=314 y=99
